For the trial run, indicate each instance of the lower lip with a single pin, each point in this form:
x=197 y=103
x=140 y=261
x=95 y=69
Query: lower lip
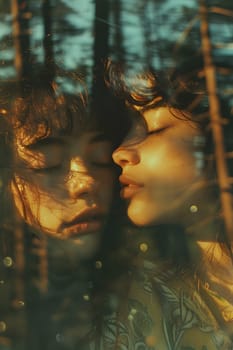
x=83 y=228
x=129 y=191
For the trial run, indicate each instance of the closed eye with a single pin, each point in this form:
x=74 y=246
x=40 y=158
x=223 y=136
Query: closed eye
x=46 y=169
x=156 y=131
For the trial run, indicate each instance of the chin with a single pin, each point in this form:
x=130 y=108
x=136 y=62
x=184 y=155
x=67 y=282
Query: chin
x=147 y=215
x=75 y=250
x=87 y=246
x=137 y=216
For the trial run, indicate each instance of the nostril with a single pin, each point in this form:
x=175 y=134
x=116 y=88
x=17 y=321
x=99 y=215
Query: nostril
x=123 y=162
x=116 y=157
x=123 y=156
x=120 y=156
x=80 y=186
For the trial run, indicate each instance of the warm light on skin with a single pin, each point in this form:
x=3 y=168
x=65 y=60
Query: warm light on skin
x=57 y=180
x=159 y=154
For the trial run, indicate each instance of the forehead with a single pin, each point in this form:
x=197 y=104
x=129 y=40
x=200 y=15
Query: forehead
x=25 y=137
x=52 y=125
x=45 y=112
x=39 y=117
x=162 y=114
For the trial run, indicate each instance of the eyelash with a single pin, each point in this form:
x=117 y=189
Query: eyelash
x=48 y=169
x=157 y=131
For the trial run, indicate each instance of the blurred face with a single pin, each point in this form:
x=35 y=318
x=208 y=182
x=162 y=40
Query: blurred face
x=63 y=186
x=161 y=168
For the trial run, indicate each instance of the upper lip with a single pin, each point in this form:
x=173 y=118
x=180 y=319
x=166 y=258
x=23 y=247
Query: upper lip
x=126 y=181
x=85 y=215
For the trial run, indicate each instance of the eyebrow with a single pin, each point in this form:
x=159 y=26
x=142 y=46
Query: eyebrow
x=45 y=142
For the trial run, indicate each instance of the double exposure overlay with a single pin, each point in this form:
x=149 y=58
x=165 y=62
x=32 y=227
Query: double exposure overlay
x=116 y=174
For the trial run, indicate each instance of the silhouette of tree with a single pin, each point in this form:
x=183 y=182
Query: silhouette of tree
x=216 y=123
x=48 y=39
x=21 y=32
x=101 y=46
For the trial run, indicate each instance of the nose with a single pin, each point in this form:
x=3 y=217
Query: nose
x=125 y=156
x=80 y=185
x=79 y=182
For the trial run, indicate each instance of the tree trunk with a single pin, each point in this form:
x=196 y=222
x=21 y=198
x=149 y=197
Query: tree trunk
x=101 y=46
x=21 y=33
x=48 y=42
x=118 y=37
x=216 y=124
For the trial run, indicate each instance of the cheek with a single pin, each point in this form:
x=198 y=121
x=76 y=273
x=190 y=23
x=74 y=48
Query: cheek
x=47 y=213
x=169 y=167
x=36 y=207
x=49 y=217
x=48 y=187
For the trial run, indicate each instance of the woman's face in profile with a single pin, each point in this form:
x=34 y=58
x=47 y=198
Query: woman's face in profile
x=161 y=167
x=63 y=186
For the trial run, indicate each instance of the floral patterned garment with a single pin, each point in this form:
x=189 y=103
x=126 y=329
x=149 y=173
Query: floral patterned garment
x=163 y=310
